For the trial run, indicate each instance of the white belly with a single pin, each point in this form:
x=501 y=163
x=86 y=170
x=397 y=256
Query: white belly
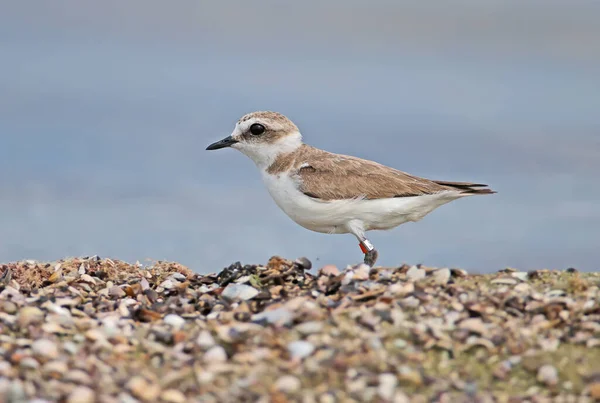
x=335 y=216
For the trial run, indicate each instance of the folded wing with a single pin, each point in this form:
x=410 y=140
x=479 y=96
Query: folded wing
x=326 y=176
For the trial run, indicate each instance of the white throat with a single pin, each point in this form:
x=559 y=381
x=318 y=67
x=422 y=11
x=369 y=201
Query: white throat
x=264 y=154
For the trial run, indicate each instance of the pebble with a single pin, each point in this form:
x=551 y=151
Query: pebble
x=29 y=363
x=410 y=376
x=205 y=340
x=215 y=354
x=401 y=397
x=175 y=321
x=288 y=384
x=29 y=315
x=401 y=289
x=441 y=276
x=329 y=270
x=307 y=328
x=456 y=272
x=173 y=396
x=78 y=376
x=504 y=281
x=239 y=291
x=8 y=307
x=168 y=284
x=387 y=386
x=304 y=263
x=300 y=349
x=142 y=389
x=474 y=325
x=116 y=291
x=361 y=272
x=56 y=369
x=81 y=394
x=279 y=316
x=44 y=349
x=594 y=389
x=410 y=302
x=521 y=275
x=415 y=274
x=548 y=375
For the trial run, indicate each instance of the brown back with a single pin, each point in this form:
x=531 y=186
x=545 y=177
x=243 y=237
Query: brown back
x=327 y=176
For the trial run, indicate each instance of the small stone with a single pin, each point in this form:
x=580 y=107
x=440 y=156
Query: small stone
x=205 y=340
x=594 y=389
x=522 y=288
x=307 y=328
x=29 y=315
x=410 y=376
x=550 y=344
x=279 y=316
x=502 y=370
x=441 y=276
x=401 y=397
x=474 y=325
x=239 y=291
x=415 y=274
x=243 y=280
x=54 y=328
x=300 y=349
x=215 y=354
x=8 y=307
x=178 y=277
x=401 y=289
x=400 y=343
x=143 y=389
x=521 y=275
x=116 y=291
x=55 y=369
x=387 y=386
x=144 y=284
x=168 y=284
x=329 y=270
x=504 y=281
x=548 y=375
x=459 y=272
x=288 y=384
x=88 y=279
x=327 y=398
x=361 y=272
x=29 y=363
x=410 y=302
x=78 y=376
x=173 y=396
x=304 y=263
x=44 y=349
x=175 y=321
x=81 y=394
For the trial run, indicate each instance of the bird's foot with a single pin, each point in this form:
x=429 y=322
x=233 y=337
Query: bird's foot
x=370 y=253
x=371 y=257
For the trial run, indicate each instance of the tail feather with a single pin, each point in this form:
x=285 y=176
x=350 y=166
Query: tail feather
x=468 y=188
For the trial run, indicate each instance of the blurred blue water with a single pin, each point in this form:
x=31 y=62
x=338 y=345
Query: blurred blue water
x=106 y=109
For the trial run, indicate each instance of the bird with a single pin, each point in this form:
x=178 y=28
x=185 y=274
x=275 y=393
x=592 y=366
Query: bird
x=334 y=193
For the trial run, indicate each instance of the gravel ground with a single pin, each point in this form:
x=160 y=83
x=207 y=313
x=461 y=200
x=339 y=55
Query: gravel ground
x=101 y=330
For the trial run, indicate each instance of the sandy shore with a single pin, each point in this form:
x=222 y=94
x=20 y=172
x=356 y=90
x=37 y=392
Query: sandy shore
x=100 y=330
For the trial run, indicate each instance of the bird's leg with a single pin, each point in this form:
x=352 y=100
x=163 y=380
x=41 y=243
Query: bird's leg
x=369 y=250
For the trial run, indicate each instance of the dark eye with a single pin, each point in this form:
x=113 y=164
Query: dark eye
x=257 y=129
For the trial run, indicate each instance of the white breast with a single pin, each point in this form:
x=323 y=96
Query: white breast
x=334 y=216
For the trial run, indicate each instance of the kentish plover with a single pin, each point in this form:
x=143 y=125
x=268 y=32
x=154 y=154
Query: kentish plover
x=333 y=193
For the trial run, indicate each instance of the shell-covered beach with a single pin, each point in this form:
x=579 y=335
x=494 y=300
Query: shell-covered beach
x=100 y=330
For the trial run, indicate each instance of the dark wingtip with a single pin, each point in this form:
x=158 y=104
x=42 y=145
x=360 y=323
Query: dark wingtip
x=479 y=191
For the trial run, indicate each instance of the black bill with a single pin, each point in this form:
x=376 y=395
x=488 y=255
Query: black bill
x=226 y=142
